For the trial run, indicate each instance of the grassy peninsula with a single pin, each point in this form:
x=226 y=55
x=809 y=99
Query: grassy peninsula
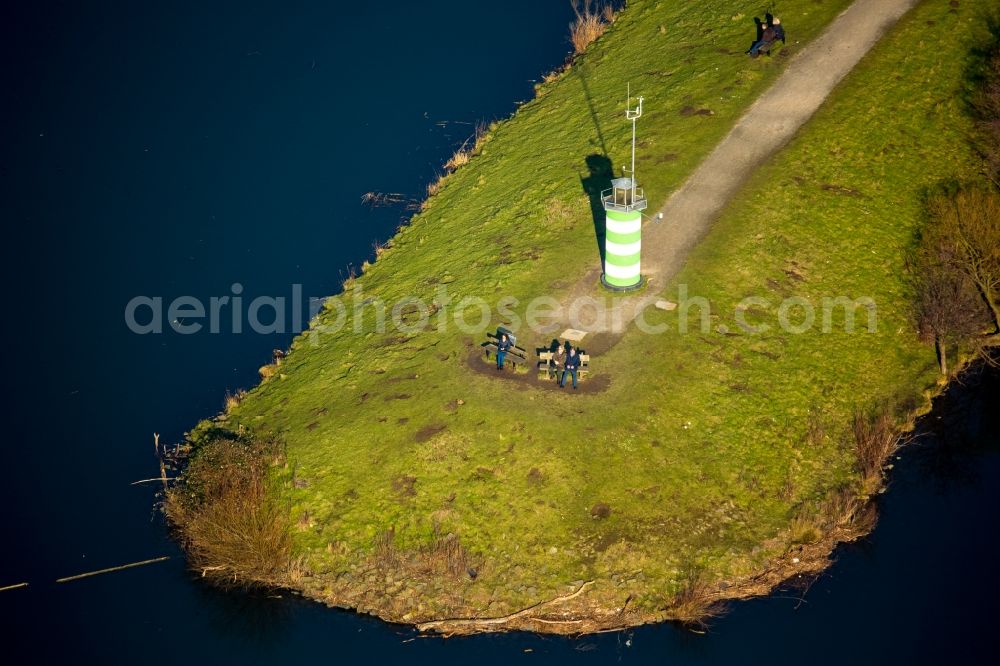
x=400 y=479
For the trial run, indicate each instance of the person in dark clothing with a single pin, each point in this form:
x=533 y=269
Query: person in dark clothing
x=558 y=358
x=779 y=30
x=765 y=41
x=570 y=365
x=503 y=346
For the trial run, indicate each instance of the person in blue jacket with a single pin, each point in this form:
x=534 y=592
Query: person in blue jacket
x=503 y=346
x=570 y=365
x=779 y=30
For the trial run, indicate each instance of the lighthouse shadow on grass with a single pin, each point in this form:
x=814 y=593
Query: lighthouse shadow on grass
x=597 y=181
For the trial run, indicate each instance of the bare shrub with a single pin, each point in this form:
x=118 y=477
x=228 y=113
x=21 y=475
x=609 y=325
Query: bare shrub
x=446 y=555
x=875 y=438
x=442 y=556
x=844 y=509
x=385 y=550
x=695 y=602
x=229 y=525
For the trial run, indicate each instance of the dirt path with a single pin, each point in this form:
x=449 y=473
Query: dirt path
x=763 y=130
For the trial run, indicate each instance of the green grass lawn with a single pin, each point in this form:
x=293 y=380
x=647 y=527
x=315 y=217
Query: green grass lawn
x=714 y=451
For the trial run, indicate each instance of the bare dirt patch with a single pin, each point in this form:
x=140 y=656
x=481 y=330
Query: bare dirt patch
x=405 y=486
x=429 y=431
x=596 y=383
x=688 y=111
x=840 y=189
x=535 y=477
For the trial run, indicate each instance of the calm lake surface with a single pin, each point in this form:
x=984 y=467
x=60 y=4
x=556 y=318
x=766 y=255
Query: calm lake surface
x=178 y=148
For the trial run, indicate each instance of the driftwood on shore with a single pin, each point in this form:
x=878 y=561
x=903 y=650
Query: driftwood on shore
x=469 y=623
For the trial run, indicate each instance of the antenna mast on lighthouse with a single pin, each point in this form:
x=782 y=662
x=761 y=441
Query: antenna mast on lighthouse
x=633 y=115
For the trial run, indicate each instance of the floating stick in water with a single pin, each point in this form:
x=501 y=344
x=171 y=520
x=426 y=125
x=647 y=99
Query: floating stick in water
x=157 y=478
x=112 y=569
x=13 y=587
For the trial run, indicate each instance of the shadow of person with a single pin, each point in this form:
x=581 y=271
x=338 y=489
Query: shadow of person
x=598 y=180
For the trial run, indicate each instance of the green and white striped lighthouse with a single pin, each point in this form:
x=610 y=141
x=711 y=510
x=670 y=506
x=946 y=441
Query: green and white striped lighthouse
x=623 y=206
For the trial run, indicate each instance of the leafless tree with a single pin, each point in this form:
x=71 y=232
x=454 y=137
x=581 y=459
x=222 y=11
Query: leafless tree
x=956 y=270
x=967 y=227
x=948 y=309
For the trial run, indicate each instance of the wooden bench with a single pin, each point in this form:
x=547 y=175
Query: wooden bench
x=771 y=48
x=515 y=354
x=545 y=361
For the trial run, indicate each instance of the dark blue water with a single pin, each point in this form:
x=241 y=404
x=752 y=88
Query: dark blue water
x=176 y=149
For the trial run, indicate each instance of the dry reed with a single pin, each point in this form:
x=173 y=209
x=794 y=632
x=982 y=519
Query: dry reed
x=875 y=438
x=233 y=533
x=589 y=24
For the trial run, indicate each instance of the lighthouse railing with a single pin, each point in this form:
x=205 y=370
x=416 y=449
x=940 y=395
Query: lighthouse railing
x=624 y=199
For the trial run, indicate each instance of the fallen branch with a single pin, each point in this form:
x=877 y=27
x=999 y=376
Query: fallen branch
x=112 y=569
x=13 y=587
x=544 y=621
x=158 y=478
x=490 y=621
